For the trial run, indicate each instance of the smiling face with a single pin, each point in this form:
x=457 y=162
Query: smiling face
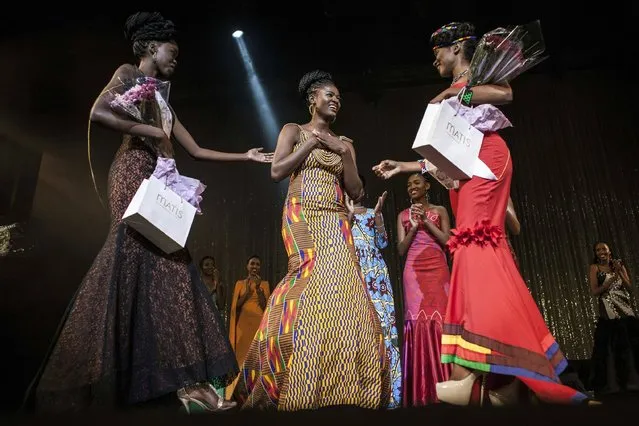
x=445 y=60
x=327 y=101
x=602 y=252
x=417 y=187
x=208 y=266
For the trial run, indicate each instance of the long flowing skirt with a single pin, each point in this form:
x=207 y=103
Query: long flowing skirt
x=141 y=324
x=492 y=323
x=320 y=342
x=426 y=282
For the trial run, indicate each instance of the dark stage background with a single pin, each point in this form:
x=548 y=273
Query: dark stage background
x=574 y=142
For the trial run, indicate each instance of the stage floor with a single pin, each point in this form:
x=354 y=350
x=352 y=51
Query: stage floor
x=617 y=407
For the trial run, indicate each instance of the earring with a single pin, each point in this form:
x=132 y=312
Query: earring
x=155 y=56
x=311 y=109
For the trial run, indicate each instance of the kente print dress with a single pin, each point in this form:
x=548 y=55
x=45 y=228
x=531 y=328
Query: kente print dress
x=368 y=243
x=320 y=342
x=492 y=323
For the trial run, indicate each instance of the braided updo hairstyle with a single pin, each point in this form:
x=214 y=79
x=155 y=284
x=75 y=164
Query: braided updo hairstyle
x=311 y=81
x=142 y=28
x=456 y=32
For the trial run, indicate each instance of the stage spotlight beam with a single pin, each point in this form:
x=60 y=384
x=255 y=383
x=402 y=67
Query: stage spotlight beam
x=262 y=104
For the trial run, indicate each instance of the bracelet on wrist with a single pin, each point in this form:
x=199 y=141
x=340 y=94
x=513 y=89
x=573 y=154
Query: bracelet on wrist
x=422 y=165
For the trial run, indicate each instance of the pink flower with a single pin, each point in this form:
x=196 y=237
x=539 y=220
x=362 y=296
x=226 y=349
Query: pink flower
x=132 y=98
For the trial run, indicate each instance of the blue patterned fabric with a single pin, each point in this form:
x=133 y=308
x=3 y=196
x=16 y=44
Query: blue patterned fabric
x=368 y=243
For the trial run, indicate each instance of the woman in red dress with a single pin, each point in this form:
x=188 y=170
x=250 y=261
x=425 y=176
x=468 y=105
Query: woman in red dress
x=422 y=232
x=492 y=323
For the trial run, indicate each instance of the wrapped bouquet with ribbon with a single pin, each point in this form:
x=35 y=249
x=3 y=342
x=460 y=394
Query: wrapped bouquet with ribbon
x=451 y=132
x=144 y=99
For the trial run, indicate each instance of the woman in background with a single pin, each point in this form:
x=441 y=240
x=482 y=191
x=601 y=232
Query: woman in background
x=211 y=278
x=615 y=355
x=369 y=235
x=247 y=307
x=422 y=232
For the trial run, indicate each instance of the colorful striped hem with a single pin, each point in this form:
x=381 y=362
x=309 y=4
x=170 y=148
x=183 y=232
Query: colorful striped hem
x=574 y=398
x=472 y=347
x=497 y=369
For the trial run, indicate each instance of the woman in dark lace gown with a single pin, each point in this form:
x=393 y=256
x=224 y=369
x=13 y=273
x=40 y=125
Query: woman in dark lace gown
x=615 y=356
x=141 y=325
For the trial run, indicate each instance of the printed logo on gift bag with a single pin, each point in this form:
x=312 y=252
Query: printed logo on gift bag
x=160 y=214
x=457 y=135
x=170 y=207
x=448 y=141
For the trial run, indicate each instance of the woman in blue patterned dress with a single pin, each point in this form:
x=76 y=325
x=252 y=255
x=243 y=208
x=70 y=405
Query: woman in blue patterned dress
x=369 y=236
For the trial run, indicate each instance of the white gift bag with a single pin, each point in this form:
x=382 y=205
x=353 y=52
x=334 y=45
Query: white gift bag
x=449 y=142
x=161 y=215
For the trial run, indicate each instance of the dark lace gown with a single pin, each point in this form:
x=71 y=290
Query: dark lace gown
x=141 y=325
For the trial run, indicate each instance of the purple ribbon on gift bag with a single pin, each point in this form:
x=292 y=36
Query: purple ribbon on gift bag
x=485 y=117
x=189 y=189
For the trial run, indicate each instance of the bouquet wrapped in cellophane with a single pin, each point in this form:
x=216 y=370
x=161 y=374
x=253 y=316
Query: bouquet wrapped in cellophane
x=504 y=53
x=501 y=55
x=144 y=99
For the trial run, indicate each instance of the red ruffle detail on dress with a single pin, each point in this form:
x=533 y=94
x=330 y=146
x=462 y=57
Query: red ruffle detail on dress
x=482 y=234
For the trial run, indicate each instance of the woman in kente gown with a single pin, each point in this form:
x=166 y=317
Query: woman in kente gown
x=422 y=232
x=615 y=355
x=492 y=324
x=320 y=342
x=141 y=325
x=369 y=235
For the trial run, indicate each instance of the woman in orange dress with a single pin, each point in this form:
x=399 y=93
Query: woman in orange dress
x=247 y=307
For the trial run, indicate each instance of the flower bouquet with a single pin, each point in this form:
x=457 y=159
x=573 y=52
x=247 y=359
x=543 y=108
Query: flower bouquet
x=503 y=54
x=144 y=99
x=132 y=101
